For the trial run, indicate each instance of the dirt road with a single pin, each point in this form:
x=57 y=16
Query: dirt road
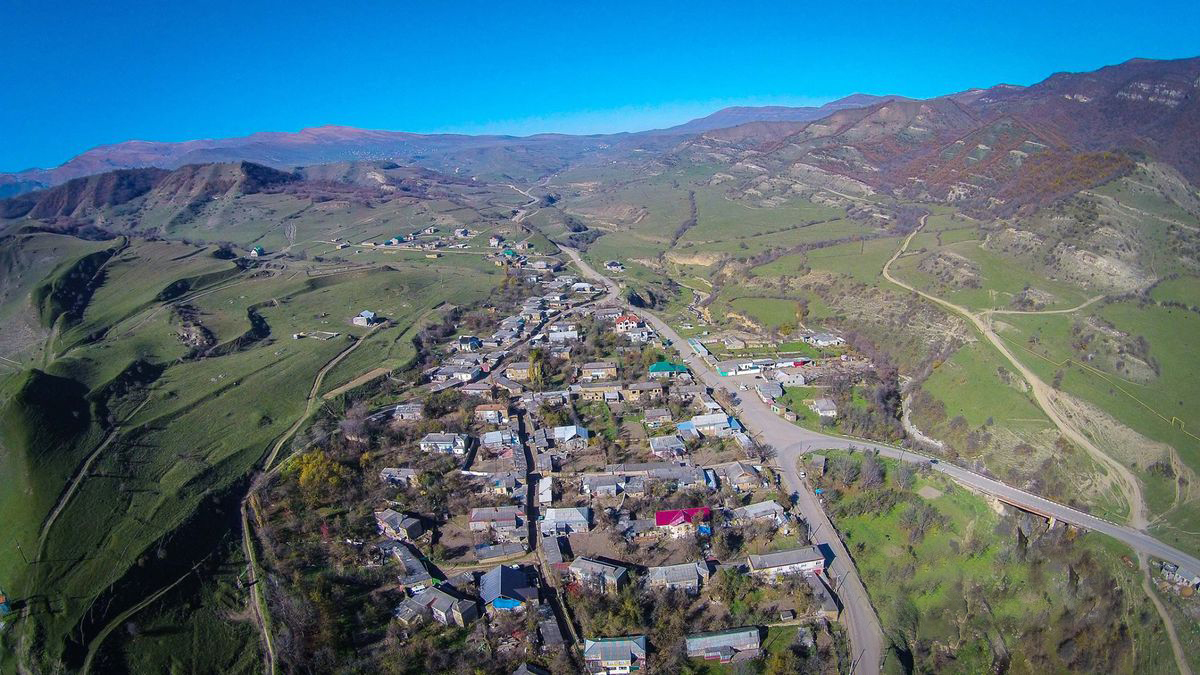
x=1045 y=395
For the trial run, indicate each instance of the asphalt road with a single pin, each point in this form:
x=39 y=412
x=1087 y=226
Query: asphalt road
x=792 y=442
x=862 y=624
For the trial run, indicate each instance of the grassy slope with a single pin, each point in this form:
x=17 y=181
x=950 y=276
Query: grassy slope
x=962 y=593
x=205 y=422
x=1002 y=277
x=1160 y=410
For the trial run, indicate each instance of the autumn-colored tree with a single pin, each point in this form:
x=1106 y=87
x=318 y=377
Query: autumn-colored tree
x=321 y=478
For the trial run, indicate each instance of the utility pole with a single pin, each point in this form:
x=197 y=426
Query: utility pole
x=855 y=661
x=22 y=552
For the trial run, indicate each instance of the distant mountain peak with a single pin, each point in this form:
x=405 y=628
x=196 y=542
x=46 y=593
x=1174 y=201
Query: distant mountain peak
x=734 y=116
x=1142 y=104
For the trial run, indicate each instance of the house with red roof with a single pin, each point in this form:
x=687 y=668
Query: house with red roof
x=628 y=323
x=681 y=522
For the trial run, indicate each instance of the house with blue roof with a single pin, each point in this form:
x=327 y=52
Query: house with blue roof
x=507 y=588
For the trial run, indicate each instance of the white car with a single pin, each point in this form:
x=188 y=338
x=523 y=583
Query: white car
x=803 y=475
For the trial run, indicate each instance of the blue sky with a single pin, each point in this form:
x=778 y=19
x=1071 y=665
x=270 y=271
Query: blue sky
x=74 y=75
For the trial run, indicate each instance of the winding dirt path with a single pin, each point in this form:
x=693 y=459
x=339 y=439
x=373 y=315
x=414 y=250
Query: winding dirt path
x=1046 y=397
x=1072 y=310
x=94 y=645
x=258 y=605
x=80 y=474
x=1176 y=647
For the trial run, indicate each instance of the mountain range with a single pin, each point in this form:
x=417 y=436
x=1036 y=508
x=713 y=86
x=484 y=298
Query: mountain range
x=1004 y=142
x=454 y=152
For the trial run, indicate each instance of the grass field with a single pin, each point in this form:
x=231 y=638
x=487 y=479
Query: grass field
x=862 y=261
x=1001 y=278
x=1162 y=409
x=721 y=219
x=795 y=398
x=770 y=312
x=1183 y=289
x=744 y=246
x=971 y=385
x=198 y=425
x=967 y=578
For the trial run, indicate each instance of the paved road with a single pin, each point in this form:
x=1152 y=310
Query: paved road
x=866 y=636
x=791 y=442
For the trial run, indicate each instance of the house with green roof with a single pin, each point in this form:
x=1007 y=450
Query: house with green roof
x=667 y=369
x=737 y=644
x=615 y=654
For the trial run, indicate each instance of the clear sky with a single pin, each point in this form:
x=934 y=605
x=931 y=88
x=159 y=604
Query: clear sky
x=77 y=74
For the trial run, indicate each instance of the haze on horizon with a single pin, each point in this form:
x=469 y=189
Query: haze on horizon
x=79 y=75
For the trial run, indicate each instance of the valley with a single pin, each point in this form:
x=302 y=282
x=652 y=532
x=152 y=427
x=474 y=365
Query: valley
x=978 y=309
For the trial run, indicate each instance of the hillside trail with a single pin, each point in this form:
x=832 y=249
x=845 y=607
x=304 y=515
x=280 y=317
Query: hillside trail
x=1046 y=397
x=1181 y=661
x=241 y=277
x=1071 y=310
x=80 y=474
x=524 y=211
x=249 y=503
x=314 y=395
x=93 y=647
x=1138 y=212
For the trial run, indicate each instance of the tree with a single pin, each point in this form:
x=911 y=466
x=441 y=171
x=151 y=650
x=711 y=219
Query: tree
x=354 y=425
x=537 y=367
x=783 y=662
x=872 y=471
x=762 y=452
x=321 y=478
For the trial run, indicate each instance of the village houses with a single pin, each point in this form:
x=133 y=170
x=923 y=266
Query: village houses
x=455 y=444
x=598 y=574
x=803 y=560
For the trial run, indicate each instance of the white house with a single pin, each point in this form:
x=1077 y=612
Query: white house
x=492 y=413
x=397 y=475
x=824 y=340
x=628 y=323
x=667 y=447
x=573 y=437
x=824 y=407
x=804 y=560
x=447 y=443
x=615 y=655
x=716 y=424
x=768 y=510
x=788 y=378
x=565 y=520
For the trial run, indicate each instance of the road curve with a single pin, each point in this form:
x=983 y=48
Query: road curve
x=1045 y=396
x=862 y=624
x=792 y=442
